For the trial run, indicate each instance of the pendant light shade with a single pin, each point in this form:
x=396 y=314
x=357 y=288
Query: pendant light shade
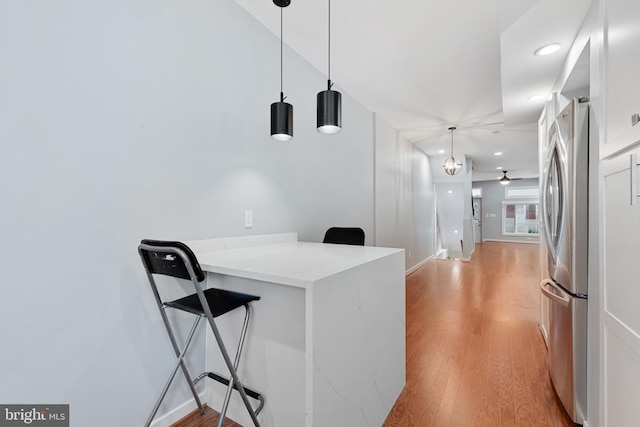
x=329 y=112
x=505 y=179
x=281 y=112
x=451 y=166
x=329 y=102
x=281 y=120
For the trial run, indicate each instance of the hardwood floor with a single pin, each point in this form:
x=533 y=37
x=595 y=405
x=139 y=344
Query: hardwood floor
x=209 y=419
x=475 y=354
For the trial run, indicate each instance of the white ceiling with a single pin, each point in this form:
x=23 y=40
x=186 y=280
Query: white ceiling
x=424 y=66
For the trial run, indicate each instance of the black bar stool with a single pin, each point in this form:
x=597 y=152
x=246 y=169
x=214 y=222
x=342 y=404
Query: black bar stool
x=344 y=236
x=176 y=259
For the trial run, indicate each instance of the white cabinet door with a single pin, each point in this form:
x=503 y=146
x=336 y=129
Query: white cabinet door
x=620 y=302
x=622 y=45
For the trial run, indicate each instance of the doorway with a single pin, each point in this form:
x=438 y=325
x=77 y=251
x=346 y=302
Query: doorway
x=477 y=220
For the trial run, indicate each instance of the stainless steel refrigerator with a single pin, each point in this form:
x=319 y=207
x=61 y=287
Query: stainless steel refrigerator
x=565 y=218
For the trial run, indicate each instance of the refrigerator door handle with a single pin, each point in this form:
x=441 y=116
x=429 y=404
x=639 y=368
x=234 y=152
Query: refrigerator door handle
x=634 y=179
x=559 y=296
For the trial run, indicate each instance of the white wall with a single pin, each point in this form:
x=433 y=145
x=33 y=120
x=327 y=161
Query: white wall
x=492 y=198
x=404 y=196
x=453 y=204
x=467 y=219
x=124 y=120
x=450 y=206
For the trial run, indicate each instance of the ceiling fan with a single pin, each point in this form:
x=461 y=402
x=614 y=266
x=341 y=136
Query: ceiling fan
x=505 y=180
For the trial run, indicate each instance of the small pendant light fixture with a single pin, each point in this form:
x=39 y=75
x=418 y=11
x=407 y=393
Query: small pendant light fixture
x=505 y=179
x=451 y=166
x=281 y=112
x=329 y=102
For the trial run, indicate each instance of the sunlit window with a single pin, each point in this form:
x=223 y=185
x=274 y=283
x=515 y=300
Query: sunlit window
x=520 y=219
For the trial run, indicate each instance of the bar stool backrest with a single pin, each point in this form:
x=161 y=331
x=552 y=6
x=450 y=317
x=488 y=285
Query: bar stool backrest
x=170 y=259
x=345 y=236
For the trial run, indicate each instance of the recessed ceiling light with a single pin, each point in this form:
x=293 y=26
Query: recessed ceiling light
x=548 y=49
x=536 y=98
x=499 y=168
x=498 y=153
x=440 y=151
x=450 y=192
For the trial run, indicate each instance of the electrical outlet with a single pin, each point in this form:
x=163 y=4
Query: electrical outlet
x=248 y=219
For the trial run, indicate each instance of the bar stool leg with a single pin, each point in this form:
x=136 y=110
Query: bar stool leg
x=233 y=380
x=180 y=363
x=236 y=363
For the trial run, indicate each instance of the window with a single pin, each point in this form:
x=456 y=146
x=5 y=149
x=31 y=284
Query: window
x=520 y=218
x=521 y=193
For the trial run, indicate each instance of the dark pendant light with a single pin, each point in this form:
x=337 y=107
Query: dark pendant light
x=505 y=179
x=451 y=166
x=281 y=112
x=329 y=106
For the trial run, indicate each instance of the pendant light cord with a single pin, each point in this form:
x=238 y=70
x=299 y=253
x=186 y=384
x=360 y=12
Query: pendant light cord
x=329 y=50
x=281 y=61
x=452 y=143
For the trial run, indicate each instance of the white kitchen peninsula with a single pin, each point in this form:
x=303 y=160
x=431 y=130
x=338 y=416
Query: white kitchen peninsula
x=326 y=344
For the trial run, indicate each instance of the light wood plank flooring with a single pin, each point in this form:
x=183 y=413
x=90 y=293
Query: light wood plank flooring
x=475 y=354
x=209 y=419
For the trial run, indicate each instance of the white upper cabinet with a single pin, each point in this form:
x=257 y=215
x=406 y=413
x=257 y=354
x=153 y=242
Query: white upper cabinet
x=619 y=217
x=620 y=222
x=622 y=53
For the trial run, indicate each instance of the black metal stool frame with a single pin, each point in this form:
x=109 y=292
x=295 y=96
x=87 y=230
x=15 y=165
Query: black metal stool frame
x=178 y=261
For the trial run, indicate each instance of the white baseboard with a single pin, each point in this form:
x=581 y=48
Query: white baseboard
x=533 y=242
x=439 y=255
x=418 y=265
x=178 y=413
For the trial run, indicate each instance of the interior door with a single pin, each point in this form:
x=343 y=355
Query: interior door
x=477 y=220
